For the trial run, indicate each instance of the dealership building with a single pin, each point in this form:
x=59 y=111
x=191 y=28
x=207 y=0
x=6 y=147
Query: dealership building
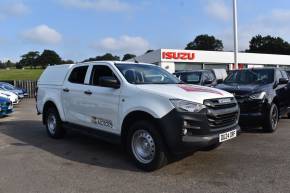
x=177 y=60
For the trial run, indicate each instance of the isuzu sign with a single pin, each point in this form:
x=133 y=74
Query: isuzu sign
x=178 y=55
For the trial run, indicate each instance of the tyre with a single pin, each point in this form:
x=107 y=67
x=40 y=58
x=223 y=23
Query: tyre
x=272 y=119
x=145 y=146
x=54 y=124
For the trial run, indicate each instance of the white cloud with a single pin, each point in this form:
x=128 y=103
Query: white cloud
x=98 y=5
x=280 y=15
x=123 y=44
x=42 y=34
x=274 y=23
x=218 y=10
x=13 y=9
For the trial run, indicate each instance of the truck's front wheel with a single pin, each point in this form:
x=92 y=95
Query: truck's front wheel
x=272 y=119
x=146 y=146
x=53 y=124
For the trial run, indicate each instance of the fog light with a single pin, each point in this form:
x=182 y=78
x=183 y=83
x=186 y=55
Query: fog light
x=184 y=131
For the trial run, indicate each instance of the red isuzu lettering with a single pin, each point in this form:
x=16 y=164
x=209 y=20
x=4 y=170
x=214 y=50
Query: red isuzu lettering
x=178 y=55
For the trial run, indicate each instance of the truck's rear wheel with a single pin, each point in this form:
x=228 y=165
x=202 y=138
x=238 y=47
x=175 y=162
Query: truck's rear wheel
x=53 y=124
x=272 y=119
x=145 y=146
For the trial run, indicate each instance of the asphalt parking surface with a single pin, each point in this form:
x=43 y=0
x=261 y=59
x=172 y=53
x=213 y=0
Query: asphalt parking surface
x=31 y=162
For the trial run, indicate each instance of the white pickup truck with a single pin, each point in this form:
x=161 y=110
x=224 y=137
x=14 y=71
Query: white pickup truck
x=139 y=105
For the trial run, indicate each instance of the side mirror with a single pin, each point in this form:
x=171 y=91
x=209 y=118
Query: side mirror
x=206 y=81
x=283 y=81
x=109 y=81
x=219 y=81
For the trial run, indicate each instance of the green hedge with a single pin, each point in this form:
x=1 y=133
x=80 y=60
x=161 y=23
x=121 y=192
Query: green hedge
x=19 y=74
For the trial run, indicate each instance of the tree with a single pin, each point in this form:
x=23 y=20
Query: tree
x=49 y=57
x=128 y=57
x=2 y=65
x=205 y=42
x=269 y=45
x=107 y=56
x=67 y=62
x=18 y=65
x=9 y=64
x=30 y=59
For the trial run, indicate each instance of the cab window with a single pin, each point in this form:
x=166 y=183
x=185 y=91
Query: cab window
x=100 y=71
x=78 y=75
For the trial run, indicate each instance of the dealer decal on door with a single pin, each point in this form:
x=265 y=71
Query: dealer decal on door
x=102 y=122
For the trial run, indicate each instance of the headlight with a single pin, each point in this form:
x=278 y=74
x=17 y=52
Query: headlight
x=258 y=96
x=187 y=106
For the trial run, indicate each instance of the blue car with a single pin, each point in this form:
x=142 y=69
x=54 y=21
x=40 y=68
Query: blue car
x=6 y=107
x=9 y=87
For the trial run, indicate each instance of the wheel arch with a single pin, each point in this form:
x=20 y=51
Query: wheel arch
x=276 y=102
x=134 y=116
x=47 y=105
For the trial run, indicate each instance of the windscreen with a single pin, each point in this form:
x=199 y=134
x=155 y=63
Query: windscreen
x=251 y=76
x=146 y=74
x=191 y=78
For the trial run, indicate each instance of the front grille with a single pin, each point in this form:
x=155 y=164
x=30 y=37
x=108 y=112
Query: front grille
x=224 y=120
x=241 y=98
x=215 y=104
x=222 y=114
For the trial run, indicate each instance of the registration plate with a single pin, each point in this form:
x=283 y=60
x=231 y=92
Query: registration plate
x=228 y=135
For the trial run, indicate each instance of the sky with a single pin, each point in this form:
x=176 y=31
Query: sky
x=79 y=29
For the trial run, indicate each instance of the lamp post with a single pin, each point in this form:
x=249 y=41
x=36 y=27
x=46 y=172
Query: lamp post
x=236 y=41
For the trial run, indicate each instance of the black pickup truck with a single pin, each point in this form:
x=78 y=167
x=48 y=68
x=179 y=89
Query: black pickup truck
x=263 y=95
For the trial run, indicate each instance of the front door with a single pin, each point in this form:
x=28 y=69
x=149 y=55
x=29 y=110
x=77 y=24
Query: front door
x=103 y=102
x=281 y=91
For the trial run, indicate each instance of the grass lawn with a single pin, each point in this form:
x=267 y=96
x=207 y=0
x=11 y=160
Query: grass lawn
x=19 y=74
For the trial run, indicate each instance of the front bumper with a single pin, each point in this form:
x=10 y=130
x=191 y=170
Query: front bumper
x=15 y=102
x=206 y=140
x=5 y=111
x=199 y=133
x=253 y=112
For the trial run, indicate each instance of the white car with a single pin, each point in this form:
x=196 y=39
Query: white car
x=142 y=106
x=12 y=96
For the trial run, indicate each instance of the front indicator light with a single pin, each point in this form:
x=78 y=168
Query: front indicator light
x=258 y=96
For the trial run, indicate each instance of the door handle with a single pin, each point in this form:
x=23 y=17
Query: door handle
x=88 y=92
x=65 y=90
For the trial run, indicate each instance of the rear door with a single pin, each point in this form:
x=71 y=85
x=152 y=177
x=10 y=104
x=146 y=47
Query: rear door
x=73 y=101
x=103 y=102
